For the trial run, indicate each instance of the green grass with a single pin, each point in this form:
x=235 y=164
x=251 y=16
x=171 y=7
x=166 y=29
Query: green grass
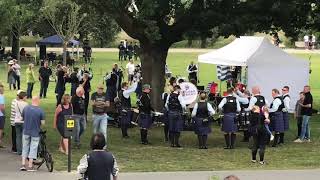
x=133 y=157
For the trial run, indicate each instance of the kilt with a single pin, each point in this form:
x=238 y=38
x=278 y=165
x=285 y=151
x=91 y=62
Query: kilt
x=229 y=125
x=200 y=127
x=277 y=123
x=286 y=120
x=145 y=121
x=126 y=117
x=165 y=116
x=175 y=121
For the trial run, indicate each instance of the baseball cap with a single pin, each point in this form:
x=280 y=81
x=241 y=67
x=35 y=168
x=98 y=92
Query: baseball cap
x=146 y=86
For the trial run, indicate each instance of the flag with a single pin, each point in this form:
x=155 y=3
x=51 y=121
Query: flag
x=223 y=72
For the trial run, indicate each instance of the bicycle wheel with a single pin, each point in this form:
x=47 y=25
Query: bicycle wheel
x=49 y=161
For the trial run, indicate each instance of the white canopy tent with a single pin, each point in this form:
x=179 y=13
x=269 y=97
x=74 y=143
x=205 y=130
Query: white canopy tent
x=268 y=66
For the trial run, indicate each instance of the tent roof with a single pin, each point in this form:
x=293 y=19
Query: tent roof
x=55 y=40
x=237 y=53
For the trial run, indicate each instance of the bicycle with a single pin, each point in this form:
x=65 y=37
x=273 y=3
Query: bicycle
x=43 y=153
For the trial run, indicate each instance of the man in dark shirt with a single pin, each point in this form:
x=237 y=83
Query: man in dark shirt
x=44 y=75
x=122 y=51
x=306 y=112
x=74 y=80
x=78 y=105
x=98 y=164
x=99 y=117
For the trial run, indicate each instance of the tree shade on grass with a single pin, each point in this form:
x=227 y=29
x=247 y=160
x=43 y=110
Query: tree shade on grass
x=134 y=157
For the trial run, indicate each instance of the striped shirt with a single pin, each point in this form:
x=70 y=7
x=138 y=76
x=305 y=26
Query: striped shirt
x=13 y=112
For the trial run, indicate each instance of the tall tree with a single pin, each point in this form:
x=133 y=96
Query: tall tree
x=19 y=16
x=157 y=24
x=65 y=18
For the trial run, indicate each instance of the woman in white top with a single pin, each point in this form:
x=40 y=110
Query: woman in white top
x=18 y=120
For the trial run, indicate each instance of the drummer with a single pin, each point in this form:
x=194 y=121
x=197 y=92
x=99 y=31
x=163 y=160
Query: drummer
x=175 y=107
x=243 y=99
x=145 y=108
x=230 y=106
x=168 y=91
x=277 y=122
x=201 y=113
x=125 y=101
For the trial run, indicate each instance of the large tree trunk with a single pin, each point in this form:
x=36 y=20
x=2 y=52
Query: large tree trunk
x=153 y=60
x=203 y=42
x=15 y=45
x=65 y=46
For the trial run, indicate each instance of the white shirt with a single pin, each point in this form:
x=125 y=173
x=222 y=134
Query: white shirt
x=192 y=70
x=224 y=101
x=130 y=90
x=180 y=98
x=130 y=68
x=20 y=105
x=17 y=68
x=306 y=38
x=275 y=105
x=241 y=99
x=253 y=101
x=209 y=107
x=286 y=103
x=313 y=39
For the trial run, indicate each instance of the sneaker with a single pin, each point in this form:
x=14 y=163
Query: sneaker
x=253 y=161
x=298 y=141
x=32 y=169
x=23 y=168
x=271 y=137
x=262 y=162
x=307 y=140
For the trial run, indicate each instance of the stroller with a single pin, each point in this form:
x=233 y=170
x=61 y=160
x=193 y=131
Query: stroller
x=43 y=154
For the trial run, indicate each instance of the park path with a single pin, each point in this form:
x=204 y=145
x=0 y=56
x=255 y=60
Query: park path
x=9 y=164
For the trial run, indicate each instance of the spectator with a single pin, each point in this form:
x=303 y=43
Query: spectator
x=2 y=113
x=136 y=50
x=130 y=70
x=306 y=112
x=130 y=51
x=74 y=80
x=12 y=122
x=33 y=117
x=297 y=113
x=11 y=75
x=31 y=79
x=18 y=120
x=62 y=110
x=16 y=67
x=99 y=105
x=85 y=83
x=78 y=104
x=122 y=51
x=23 y=54
x=44 y=75
x=98 y=164
x=62 y=78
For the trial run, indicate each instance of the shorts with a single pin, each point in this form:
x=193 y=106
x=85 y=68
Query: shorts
x=2 y=121
x=30 y=146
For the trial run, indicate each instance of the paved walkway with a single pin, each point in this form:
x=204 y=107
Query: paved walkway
x=9 y=164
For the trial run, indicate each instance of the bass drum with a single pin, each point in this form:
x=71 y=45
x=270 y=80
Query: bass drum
x=243 y=120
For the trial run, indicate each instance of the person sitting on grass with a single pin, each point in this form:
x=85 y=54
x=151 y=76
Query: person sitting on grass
x=99 y=164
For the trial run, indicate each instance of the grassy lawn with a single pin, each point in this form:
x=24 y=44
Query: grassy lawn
x=133 y=157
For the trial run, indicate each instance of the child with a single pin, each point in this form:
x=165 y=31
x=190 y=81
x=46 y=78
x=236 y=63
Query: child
x=297 y=113
x=266 y=115
x=260 y=134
